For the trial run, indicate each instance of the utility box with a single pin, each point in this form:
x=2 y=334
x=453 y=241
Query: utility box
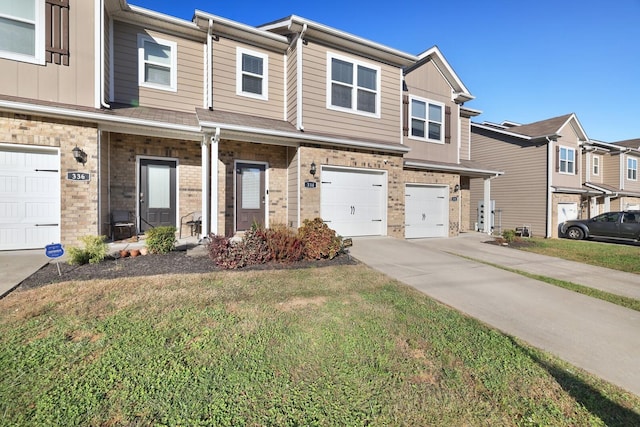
x=486 y=215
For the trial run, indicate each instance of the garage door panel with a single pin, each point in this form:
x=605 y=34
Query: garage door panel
x=426 y=211
x=30 y=194
x=353 y=202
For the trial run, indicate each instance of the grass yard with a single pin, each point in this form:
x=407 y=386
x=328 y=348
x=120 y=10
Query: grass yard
x=326 y=346
x=618 y=256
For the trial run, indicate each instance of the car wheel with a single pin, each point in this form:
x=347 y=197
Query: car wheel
x=575 y=233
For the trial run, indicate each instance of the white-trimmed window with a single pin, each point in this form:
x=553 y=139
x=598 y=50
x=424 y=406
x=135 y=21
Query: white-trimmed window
x=353 y=86
x=632 y=169
x=252 y=74
x=22 y=30
x=427 y=120
x=157 y=63
x=595 y=165
x=567 y=160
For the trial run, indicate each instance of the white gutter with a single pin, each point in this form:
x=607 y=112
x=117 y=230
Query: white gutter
x=299 y=49
x=209 y=62
x=215 y=139
x=304 y=137
x=439 y=167
x=548 y=231
x=504 y=132
x=94 y=117
x=162 y=17
x=238 y=26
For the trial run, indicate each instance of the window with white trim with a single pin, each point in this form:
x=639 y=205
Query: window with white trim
x=567 y=160
x=632 y=169
x=595 y=165
x=353 y=86
x=252 y=76
x=427 y=120
x=157 y=63
x=22 y=30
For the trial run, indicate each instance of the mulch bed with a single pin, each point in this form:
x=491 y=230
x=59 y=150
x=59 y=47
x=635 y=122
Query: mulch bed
x=176 y=262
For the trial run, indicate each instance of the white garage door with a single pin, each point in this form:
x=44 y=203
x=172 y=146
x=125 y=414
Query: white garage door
x=29 y=198
x=353 y=202
x=567 y=211
x=426 y=211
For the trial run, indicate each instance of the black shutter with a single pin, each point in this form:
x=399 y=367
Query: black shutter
x=447 y=125
x=405 y=115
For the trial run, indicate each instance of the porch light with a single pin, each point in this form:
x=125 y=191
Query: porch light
x=312 y=171
x=456 y=188
x=80 y=155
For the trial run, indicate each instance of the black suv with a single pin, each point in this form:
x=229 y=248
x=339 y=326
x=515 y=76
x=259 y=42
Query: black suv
x=613 y=225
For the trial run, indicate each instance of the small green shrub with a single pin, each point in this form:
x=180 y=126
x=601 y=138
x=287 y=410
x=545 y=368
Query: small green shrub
x=509 y=235
x=319 y=240
x=284 y=244
x=161 y=240
x=94 y=251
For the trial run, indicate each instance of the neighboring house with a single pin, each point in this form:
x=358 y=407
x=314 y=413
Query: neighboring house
x=610 y=174
x=542 y=184
x=123 y=108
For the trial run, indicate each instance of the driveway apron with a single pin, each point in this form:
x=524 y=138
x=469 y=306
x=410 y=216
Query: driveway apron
x=595 y=335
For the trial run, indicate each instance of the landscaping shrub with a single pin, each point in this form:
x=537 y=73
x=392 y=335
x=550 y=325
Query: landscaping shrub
x=255 y=247
x=161 y=240
x=509 y=235
x=319 y=240
x=284 y=244
x=94 y=251
x=225 y=253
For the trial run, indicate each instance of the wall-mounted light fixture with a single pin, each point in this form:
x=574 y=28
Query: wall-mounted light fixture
x=312 y=171
x=456 y=188
x=80 y=155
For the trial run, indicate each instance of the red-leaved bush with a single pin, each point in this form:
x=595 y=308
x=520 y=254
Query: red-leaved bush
x=319 y=240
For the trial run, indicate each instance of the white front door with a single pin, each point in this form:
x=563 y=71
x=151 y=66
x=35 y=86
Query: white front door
x=567 y=211
x=426 y=211
x=353 y=201
x=29 y=197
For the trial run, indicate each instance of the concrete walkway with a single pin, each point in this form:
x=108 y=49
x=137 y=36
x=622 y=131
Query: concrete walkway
x=595 y=335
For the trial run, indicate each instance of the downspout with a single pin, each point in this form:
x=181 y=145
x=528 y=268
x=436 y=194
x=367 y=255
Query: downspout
x=209 y=84
x=549 y=221
x=215 y=139
x=299 y=43
x=103 y=104
x=204 y=150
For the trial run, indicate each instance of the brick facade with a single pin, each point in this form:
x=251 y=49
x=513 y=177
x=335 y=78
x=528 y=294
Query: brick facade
x=79 y=200
x=559 y=198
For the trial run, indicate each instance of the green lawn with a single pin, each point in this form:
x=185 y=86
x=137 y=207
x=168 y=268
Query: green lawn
x=335 y=346
x=618 y=256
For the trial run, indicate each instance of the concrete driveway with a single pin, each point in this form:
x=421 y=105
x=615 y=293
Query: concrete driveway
x=595 y=335
x=15 y=266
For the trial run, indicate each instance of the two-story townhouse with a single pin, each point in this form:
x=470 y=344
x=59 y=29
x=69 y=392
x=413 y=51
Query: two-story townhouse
x=610 y=175
x=275 y=124
x=542 y=184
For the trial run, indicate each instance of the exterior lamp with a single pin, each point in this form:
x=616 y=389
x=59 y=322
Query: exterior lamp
x=312 y=171
x=79 y=155
x=456 y=188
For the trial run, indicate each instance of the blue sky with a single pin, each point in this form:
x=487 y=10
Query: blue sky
x=523 y=61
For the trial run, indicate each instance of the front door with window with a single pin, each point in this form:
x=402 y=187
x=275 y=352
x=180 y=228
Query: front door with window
x=157 y=193
x=250 y=195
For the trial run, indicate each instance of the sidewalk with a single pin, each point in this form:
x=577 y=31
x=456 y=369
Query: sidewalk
x=592 y=334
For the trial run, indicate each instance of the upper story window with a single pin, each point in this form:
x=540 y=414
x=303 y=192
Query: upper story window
x=353 y=86
x=157 y=63
x=252 y=74
x=595 y=165
x=632 y=169
x=567 y=160
x=427 y=120
x=22 y=30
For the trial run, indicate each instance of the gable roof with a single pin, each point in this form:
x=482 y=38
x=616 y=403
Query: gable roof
x=629 y=143
x=434 y=54
x=537 y=130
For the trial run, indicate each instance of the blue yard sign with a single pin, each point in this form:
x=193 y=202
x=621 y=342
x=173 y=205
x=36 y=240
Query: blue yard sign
x=54 y=250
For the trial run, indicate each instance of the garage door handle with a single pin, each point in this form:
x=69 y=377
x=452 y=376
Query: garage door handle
x=377 y=185
x=326 y=182
x=46 y=225
x=376 y=220
x=46 y=170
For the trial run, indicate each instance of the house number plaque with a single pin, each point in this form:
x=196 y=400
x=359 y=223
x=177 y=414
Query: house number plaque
x=309 y=184
x=78 y=176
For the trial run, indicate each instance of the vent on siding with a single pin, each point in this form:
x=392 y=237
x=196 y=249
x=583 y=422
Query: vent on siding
x=57 y=31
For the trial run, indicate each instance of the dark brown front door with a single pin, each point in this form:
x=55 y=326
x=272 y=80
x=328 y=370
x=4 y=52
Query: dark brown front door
x=157 y=193
x=250 y=195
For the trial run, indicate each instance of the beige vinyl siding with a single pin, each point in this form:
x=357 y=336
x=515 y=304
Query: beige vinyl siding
x=318 y=118
x=587 y=168
x=224 y=82
x=569 y=139
x=521 y=193
x=426 y=82
x=611 y=170
x=190 y=63
x=465 y=138
x=72 y=84
x=293 y=186
x=292 y=86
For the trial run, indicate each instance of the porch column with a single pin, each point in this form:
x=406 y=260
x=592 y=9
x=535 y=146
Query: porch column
x=204 y=147
x=215 y=139
x=488 y=212
x=607 y=204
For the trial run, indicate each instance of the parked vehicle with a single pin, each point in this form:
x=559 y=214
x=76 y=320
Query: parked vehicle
x=614 y=225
